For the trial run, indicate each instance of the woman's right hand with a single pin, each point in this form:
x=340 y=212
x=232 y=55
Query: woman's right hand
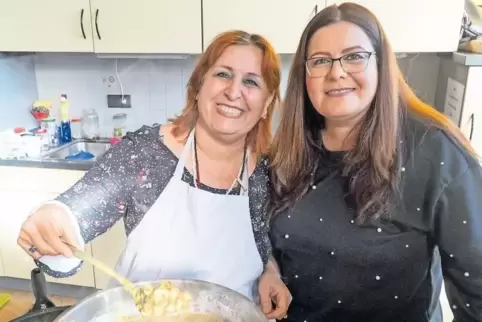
x=49 y=231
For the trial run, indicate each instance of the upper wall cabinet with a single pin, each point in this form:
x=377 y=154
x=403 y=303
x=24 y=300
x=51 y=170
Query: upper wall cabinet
x=418 y=25
x=281 y=22
x=45 y=25
x=176 y=26
x=146 y=26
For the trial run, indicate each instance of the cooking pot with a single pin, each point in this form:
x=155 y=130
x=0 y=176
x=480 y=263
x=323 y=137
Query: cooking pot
x=43 y=310
x=112 y=304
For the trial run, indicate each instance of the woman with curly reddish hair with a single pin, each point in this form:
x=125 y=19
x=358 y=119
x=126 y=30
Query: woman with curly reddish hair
x=191 y=192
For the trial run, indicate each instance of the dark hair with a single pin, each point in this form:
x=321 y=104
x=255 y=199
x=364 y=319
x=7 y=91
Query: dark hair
x=372 y=164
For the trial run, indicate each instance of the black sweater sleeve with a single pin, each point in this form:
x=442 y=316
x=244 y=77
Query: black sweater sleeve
x=444 y=186
x=458 y=233
x=100 y=198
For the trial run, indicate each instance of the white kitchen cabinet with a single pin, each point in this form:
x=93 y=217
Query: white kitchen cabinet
x=418 y=25
x=471 y=117
x=108 y=248
x=38 y=179
x=45 y=25
x=281 y=22
x=22 y=189
x=17 y=205
x=146 y=26
x=1 y=264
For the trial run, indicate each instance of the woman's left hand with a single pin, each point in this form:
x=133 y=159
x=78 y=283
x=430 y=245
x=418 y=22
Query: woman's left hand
x=272 y=290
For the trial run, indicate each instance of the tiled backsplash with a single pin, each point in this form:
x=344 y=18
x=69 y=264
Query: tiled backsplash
x=157 y=87
x=18 y=87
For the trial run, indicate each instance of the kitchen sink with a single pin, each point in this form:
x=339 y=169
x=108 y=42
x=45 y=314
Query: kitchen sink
x=97 y=148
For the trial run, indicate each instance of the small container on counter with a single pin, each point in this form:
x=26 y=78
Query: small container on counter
x=43 y=136
x=50 y=125
x=119 y=124
x=90 y=124
x=76 y=128
x=41 y=109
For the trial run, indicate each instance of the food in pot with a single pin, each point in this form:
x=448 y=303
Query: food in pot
x=162 y=300
x=184 y=317
x=166 y=303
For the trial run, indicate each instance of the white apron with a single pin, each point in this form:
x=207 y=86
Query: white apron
x=191 y=233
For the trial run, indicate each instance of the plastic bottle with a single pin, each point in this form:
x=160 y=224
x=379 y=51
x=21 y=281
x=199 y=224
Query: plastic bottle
x=65 y=130
x=52 y=132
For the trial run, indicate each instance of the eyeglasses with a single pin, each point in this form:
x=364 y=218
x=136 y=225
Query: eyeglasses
x=351 y=63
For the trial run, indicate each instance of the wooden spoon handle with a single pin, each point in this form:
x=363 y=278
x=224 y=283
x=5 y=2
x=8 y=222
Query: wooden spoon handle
x=106 y=269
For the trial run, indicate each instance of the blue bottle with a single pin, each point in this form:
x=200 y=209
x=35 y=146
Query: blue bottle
x=65 y=130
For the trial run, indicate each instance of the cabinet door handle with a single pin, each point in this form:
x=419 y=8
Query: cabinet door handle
x=96 y=25
x=471 y=119
x=316 y=9
x=82 y=23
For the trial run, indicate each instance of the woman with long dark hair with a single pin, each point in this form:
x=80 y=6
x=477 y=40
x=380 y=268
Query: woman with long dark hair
x=371 y=186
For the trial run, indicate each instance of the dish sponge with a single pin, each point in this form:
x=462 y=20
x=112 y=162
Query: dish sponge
x=4 y=299
x=82 y=155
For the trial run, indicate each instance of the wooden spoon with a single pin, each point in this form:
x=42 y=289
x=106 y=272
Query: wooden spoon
x=149 y=300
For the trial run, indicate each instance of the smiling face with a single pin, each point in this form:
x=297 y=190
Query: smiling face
x=234 y=96
x=340 y=95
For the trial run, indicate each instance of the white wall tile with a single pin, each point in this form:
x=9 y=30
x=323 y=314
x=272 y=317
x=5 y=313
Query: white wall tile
x=157 y=87
x=18 y=90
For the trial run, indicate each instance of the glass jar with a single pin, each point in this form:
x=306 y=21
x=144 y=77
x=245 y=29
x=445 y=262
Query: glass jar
x=50 y=125
x=119 y=124
x=90 y=124
x=76 y=128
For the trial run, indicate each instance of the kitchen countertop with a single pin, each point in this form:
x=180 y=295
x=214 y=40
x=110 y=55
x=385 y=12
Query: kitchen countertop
x=48 y=164
x=21 y=302
x=467 y=59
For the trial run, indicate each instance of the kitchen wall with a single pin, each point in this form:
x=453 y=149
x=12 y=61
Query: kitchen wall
x=18 y=87
x=157 y=87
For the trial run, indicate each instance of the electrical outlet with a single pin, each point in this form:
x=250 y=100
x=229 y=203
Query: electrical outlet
x=119 y=101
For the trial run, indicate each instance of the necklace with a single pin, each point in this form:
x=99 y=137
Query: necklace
x=197 y=180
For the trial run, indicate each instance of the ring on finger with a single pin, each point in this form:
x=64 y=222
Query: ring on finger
x=32 y=249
